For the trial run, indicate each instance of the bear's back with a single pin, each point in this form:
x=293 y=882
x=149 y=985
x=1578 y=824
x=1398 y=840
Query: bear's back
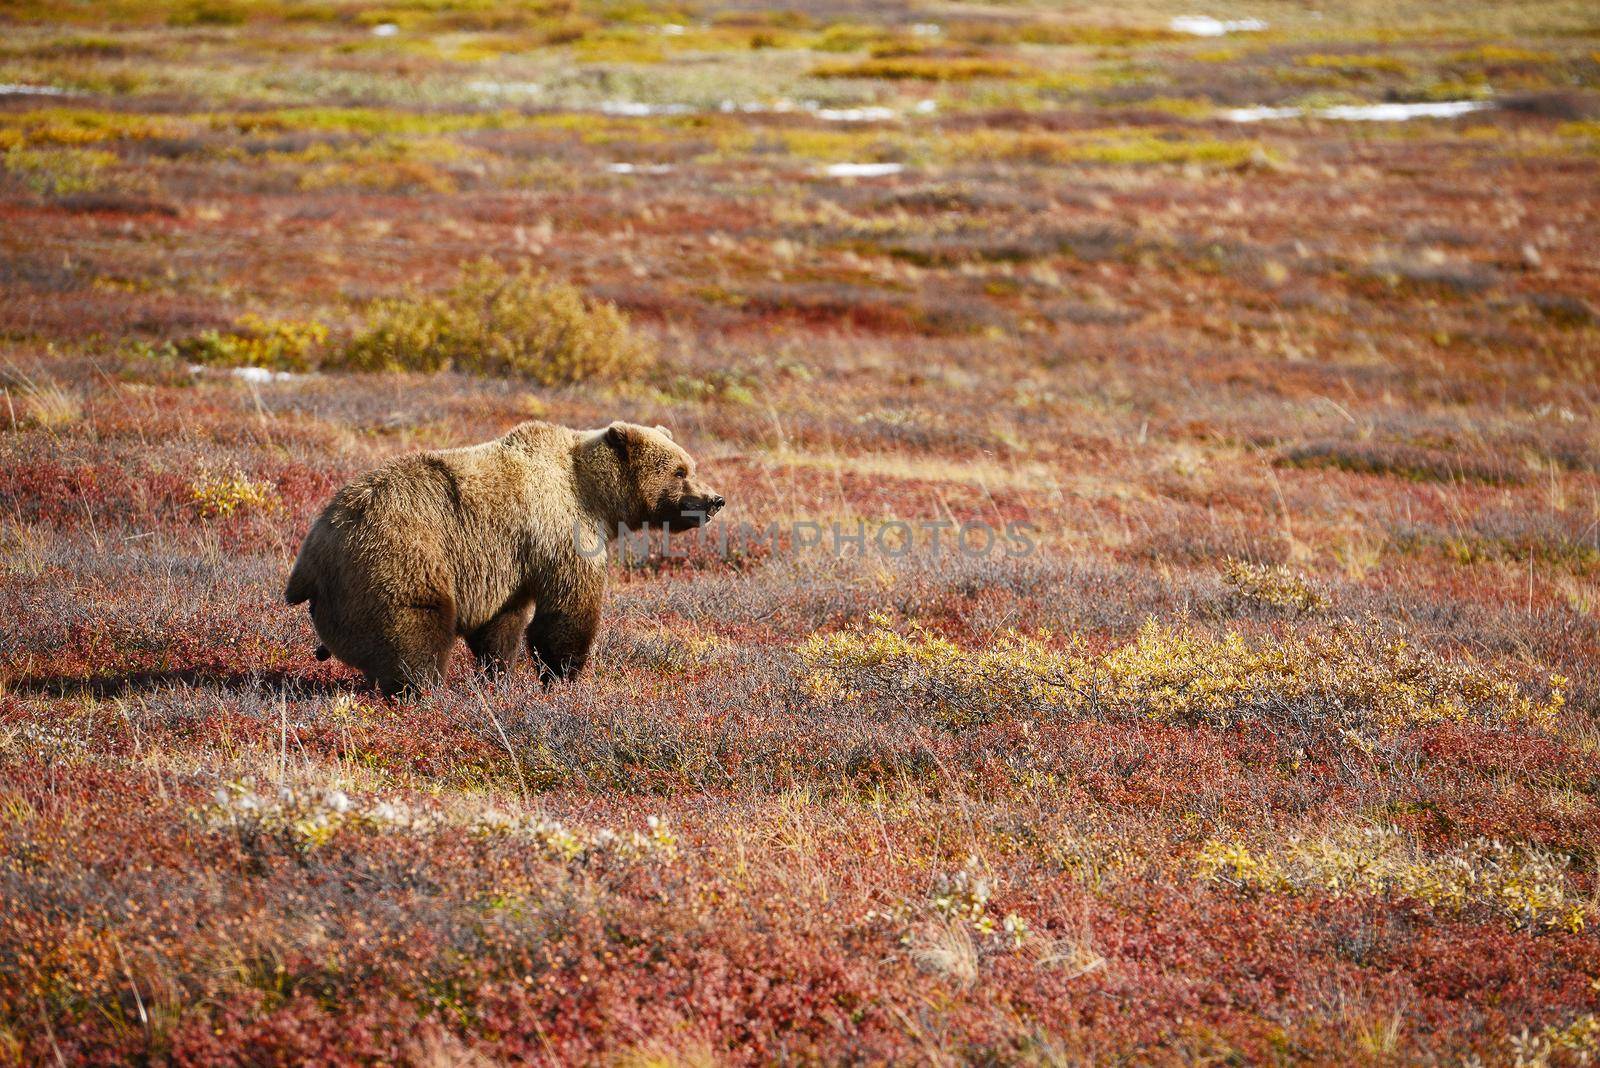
x=420 y=485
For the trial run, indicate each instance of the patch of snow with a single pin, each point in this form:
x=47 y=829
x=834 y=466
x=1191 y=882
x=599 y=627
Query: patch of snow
x=261 y=374
x=1261 y=114
x=635 y=109
x=926 y=29
x=639 y=168
x=1206 y=26
x=19 y=89
x=926 y=107
x=385 y=29
x=1441 y=109
x=863 y=170
x=864 y=114
x=672 y=29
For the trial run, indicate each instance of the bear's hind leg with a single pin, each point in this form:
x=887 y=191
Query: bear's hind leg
x=495 y=643
x=417 y=648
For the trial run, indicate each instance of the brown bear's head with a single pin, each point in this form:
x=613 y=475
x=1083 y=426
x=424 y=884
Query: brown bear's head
x=660 y=485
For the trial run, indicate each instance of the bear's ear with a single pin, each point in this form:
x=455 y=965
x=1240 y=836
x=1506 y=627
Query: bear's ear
x=663 y=431
x=617 y=438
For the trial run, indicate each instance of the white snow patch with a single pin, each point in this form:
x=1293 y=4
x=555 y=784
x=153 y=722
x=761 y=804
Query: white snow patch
x=1206 y=26
x=861 y=113
x=926 y=29
x=1261 y=114
x=639 y=168
x=1441 y=109
x=865 y=114
x=863 y=170
x=672 y=29
x=636 y=109
x=19 y=89
x=261 y=374
x=385 y=29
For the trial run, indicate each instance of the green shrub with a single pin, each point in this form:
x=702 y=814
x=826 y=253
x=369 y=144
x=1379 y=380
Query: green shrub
x=498 y=322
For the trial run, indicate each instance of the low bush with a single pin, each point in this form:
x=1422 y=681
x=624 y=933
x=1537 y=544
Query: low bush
x=77 y=127
x=57 y=172
x=1417 y=463
x=1272 y=587
x=1129 y=148
x=255 y=342
x=1347 y=679
x=924 y=68
x=1528 y=885
x=492 y=321
x=1356 y=64
x=219 y=496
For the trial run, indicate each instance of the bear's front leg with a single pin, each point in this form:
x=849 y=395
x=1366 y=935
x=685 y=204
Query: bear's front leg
x=560 y=634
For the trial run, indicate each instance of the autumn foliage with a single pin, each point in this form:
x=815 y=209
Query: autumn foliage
x=1276 y=743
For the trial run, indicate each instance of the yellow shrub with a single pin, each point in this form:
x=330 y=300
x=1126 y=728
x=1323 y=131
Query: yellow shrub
x=1346 y=675
x=77 y=126
x=1496 y=53
x=493 y=321
x=1522 y=883
x=923 y=68
x=1350 y=677
x=370 y=122
x=620 y=46
x=219 y=496
x=960 y=687
x=1272 y=586
x=1180 y=107
x=1119 y=147
x=256 y=342
x=1356 y=63
x=1580 y=1037
x=847 y=37
x=1051 y=33
x=59 y=171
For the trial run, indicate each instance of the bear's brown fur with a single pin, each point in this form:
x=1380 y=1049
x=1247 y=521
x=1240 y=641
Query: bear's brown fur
x=489 y=543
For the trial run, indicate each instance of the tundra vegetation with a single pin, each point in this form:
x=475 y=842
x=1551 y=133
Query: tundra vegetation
x=1280 y=747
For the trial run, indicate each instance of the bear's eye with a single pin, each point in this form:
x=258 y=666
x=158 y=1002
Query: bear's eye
x=681 y=472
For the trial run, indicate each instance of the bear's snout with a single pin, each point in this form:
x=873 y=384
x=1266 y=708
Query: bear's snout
x=694 y=510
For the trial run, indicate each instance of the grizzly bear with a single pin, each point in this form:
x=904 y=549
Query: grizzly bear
x=489 y=543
